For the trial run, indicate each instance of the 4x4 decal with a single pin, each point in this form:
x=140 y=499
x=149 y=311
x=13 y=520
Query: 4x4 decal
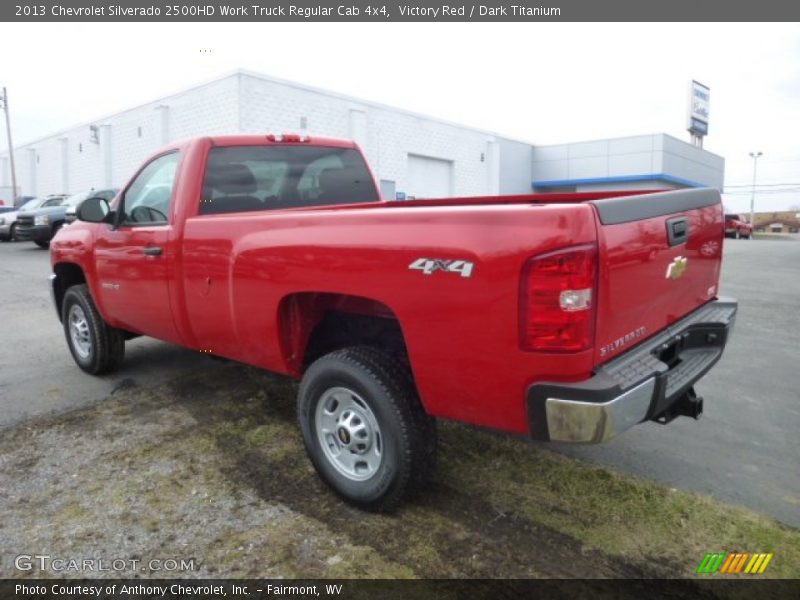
x=430 y=265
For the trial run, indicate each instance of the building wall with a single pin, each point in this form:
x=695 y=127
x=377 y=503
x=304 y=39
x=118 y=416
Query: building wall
x=654 y=161
x=81 y=157
x=107 y=151
x=787 y=221
x=386 y=135
x=515 y=167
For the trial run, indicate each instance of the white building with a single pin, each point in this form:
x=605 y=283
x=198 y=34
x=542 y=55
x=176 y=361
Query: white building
x=413 y=155
x=657 y=161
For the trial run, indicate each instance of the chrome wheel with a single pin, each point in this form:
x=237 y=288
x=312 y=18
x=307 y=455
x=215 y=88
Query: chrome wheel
x=79 y=332
x=348 y=433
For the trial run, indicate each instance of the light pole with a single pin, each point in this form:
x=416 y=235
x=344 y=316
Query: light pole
x=755 y=156
x=4 y=101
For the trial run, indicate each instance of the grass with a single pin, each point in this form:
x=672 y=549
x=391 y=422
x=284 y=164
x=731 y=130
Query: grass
x=633 y=518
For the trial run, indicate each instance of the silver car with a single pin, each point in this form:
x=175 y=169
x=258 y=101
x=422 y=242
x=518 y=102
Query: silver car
x=8 y=220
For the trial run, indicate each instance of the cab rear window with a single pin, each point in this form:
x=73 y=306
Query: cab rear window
x=251 y=178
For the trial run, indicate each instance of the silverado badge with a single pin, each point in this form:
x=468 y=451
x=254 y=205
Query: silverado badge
x=677 y=267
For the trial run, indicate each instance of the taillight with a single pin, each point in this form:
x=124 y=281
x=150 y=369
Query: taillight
x=557 y=300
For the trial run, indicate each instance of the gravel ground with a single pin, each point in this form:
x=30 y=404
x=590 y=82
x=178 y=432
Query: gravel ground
x=139 y=478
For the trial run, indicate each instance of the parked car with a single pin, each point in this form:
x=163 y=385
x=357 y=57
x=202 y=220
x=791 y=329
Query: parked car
x=42 y=224
x=22 y=200
x=6 y=209
x=737 y=227
x=8 y=220
x=516 y=313
x=107 y=195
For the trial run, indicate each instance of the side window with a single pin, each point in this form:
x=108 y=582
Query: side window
x=148 y=198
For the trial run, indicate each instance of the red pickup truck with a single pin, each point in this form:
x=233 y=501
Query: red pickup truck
x=563 y=317
x=737 y=227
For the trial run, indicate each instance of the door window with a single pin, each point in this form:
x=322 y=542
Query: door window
x=148 y=198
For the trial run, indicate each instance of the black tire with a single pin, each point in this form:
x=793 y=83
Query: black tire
x=106 y=345
x=406 y=434
x=10 y=236
x=42 y=244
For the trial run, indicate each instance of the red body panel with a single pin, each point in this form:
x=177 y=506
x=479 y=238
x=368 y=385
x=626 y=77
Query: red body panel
x=235 y=284
x=635 y=296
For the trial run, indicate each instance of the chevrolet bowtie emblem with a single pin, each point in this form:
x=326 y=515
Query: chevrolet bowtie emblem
x=677 y=267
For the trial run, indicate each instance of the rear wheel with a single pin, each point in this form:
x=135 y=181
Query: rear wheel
x=364 y=427
x=96 y=347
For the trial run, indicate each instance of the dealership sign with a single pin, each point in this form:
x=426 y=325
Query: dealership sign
x=698 y=109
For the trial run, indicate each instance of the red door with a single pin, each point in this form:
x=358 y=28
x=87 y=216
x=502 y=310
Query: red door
x=134 y=259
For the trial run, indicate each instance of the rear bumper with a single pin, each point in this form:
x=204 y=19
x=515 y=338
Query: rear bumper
x=33 y=233
x=644 y=383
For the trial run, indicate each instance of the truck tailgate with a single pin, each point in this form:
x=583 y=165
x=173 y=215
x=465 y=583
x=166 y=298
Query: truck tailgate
x=660 y=257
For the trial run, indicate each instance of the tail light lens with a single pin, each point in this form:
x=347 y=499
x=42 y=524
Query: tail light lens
x=557 y=300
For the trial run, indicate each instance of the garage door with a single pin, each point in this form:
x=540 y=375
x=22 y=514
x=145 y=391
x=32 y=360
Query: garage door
x=429 y=177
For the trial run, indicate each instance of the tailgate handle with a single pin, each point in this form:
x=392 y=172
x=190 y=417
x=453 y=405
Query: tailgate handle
x=677 y=230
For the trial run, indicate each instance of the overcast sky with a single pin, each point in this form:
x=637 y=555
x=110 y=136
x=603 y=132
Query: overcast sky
x=543 y=83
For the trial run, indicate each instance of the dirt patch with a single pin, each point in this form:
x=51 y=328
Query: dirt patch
x=212 y=469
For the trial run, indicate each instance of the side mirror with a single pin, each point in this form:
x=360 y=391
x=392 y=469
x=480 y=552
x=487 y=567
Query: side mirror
x=94 y=210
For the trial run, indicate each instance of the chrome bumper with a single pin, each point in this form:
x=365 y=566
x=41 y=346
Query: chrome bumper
x=642 y=384
x=594 y=422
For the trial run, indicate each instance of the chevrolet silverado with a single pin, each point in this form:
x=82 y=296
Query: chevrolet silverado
x=563 y=317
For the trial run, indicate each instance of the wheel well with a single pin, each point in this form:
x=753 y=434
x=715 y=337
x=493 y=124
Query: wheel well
x=67 y=275
x=315 y=324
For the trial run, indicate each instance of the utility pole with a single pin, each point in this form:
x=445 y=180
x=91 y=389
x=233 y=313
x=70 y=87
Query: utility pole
x=4 y=100
x=755 y=156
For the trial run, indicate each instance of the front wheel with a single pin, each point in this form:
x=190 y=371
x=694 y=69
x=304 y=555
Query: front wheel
x=364 y=427
x=96 y=347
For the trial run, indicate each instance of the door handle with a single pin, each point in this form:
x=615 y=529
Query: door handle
x=153 y=251
x=677 y=230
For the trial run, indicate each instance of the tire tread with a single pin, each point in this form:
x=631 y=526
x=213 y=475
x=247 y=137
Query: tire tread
x=416 y=428
x=110 y=342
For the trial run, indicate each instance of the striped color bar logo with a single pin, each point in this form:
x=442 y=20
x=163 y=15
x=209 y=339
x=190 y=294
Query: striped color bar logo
x=733 y=563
